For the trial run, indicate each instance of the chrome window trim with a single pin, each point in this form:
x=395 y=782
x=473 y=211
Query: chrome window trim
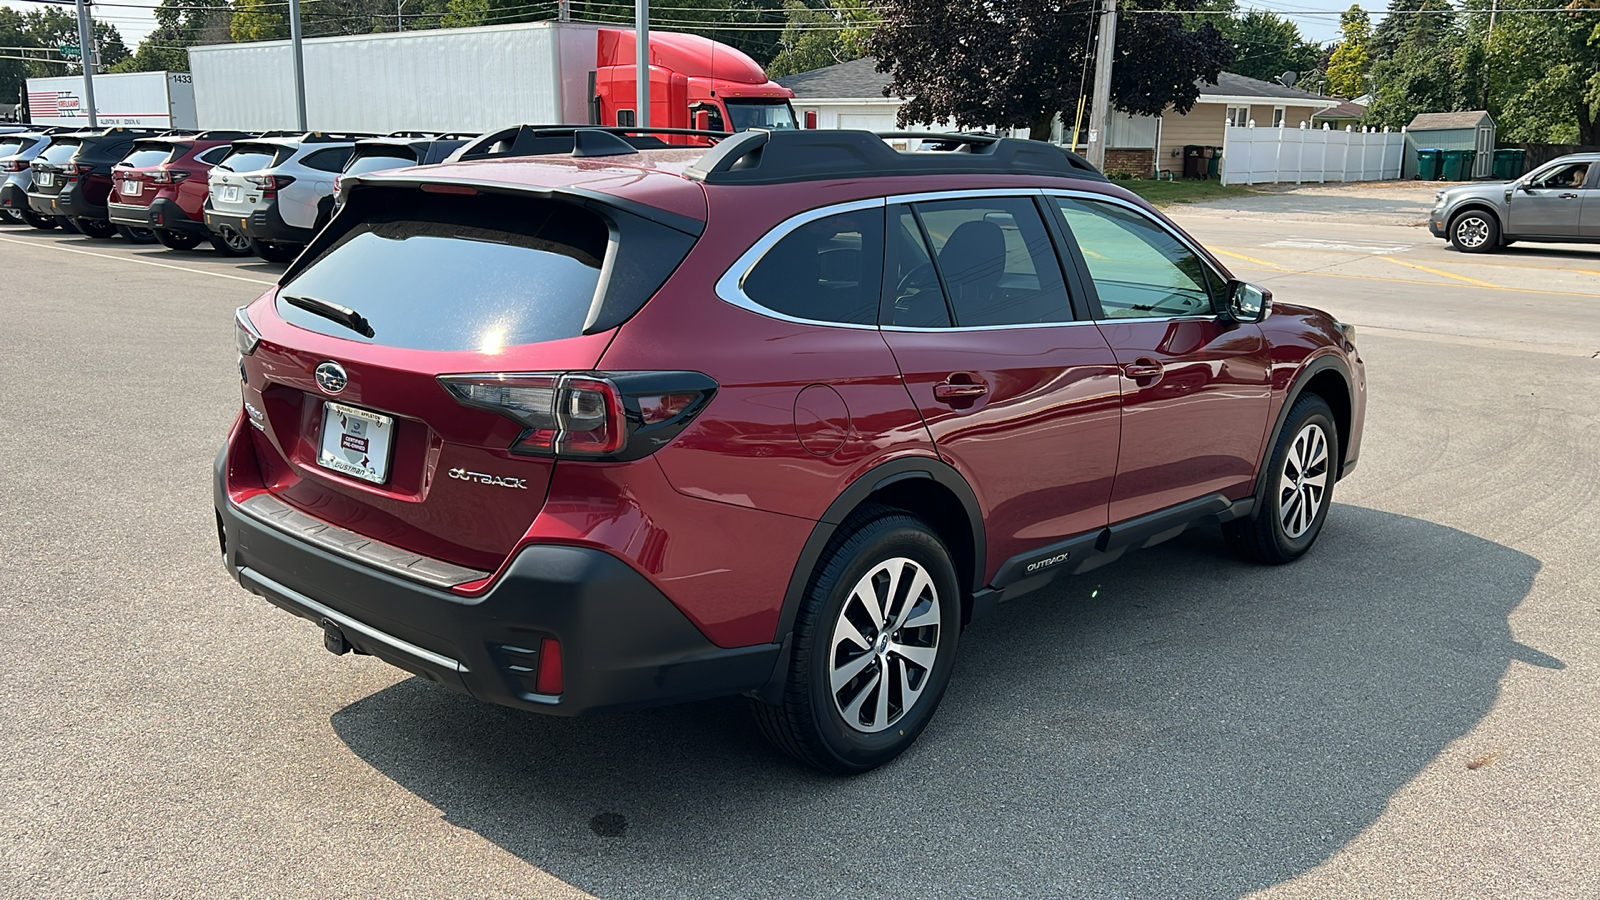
x=1194 y=248
x=730 y=287
x=1076 y=323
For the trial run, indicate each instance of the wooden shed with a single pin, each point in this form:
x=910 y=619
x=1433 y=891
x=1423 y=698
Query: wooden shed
x=1470 y=130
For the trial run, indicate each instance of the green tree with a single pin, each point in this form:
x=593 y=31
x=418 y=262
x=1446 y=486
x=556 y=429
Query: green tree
x=1416 y=65
x=258 y=20
x=1266 y=46
x=1347 y=67
x=1546 y=68
x=824 y=34
x=465 y=13
x=180 y=24
x=1018 y=64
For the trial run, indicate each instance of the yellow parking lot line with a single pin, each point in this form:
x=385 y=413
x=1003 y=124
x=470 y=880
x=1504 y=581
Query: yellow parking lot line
x=1442 y=273
x=1259 y=262
x=1482 y=285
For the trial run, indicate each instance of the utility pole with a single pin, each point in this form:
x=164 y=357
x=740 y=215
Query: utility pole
x=641 y=41
x=564 y=11
x=87 y=54
x=299 y=64
x=1100 y=107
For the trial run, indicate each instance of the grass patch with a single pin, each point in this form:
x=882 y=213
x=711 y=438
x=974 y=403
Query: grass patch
x=1167 y=193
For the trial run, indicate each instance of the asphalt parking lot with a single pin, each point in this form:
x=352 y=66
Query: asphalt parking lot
x=1410 y=711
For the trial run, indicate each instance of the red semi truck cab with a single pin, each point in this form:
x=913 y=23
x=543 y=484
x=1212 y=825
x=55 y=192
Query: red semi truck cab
x=695 y=82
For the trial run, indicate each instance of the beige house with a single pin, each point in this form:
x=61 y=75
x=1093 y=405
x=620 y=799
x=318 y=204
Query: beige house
x=851 y=95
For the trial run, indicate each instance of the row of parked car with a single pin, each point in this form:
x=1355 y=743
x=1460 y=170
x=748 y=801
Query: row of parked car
x=244 y=193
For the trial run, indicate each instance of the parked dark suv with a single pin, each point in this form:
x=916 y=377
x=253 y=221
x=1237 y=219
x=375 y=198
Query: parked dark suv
x=160 y=187
x=633 y=425
x=72 y=179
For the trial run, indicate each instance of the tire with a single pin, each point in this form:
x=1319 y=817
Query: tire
x=173 y=240
x=96 y=228
x=1300 y=476
x=230 y=243
x=1475 y=231
x=70 y=226
x=11 y=217
x=137 y=235
x=275 y=253
x=43 y=223
x=866 y=723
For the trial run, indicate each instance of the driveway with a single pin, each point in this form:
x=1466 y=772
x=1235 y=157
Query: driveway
x=1366 y=202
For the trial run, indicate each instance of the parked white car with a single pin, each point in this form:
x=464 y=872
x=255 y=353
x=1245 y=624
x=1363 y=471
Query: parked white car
x=277 y=191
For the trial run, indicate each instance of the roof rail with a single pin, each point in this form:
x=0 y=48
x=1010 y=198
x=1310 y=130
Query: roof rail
x=215 y=135
x=409 y=134
x=774 y=157
x=544 y=140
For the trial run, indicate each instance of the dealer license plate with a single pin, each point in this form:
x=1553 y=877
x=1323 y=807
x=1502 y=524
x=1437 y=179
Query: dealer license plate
x=356 y=442
x=45 y=179
x=230 y=194
x=132 y=188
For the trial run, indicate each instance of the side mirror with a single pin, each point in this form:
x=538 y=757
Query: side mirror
x=1247 y=302
x=702 y=120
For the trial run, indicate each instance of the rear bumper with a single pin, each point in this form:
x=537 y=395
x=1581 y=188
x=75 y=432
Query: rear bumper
x=161 y=213
x=624 y=644
x=70 y=203
x=264 y=225
x=13 y=197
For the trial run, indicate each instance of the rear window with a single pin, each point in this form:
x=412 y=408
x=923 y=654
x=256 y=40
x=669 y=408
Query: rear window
x=12 y=147
x=252 y=157
x=149 y=155
x=60 y=151
x=377 y=162
x=459 y=273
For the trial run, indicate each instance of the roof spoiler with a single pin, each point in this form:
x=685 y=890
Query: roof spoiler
x=775 y=157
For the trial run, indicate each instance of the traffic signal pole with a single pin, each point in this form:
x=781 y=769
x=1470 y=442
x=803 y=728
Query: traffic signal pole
x=87 y=54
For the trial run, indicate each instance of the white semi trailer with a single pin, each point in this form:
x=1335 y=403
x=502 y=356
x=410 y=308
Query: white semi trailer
x=138 y=99
x=480 y=79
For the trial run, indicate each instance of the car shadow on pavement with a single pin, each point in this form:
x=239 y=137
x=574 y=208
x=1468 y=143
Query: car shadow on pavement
x=1176 y=724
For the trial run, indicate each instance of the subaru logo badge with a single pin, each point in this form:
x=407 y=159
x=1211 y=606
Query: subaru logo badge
x=331 y=377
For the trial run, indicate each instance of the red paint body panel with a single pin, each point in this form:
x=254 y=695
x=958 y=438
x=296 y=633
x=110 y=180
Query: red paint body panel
x=189 y=193
x=1040 y=448
x=1195 y=429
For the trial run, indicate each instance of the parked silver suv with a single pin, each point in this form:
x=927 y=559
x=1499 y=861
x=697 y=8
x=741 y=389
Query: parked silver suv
x=18 y=149
x=277 y=190
x=1558 y=202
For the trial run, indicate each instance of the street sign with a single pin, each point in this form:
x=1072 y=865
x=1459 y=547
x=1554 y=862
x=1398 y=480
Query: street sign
x=71 y=51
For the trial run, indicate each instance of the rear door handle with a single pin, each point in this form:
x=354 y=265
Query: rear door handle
x=1143 y=368
x=947 y=392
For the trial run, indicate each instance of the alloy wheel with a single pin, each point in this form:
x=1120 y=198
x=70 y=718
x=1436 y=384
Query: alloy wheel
x=1303 y=485
x=1472 y=231
x=884 y=645
x=235 y=240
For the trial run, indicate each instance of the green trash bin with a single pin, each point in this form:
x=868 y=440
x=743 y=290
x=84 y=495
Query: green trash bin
x=1214 y=164
x=1508 y=164
x=1428 y=163
x=1456 y=165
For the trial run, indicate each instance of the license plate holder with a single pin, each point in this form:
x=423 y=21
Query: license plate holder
x=356 y=442
x=230 y=194
x=44 y=179
x=132 y=188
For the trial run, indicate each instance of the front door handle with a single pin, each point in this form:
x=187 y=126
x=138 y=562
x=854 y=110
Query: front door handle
x=1143 y=368
x=1568 y=195
x=955 y=392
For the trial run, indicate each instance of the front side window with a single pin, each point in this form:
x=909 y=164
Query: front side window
x=1570 y=175
x=995 y=262
x=827 y=270
x=1139 y=269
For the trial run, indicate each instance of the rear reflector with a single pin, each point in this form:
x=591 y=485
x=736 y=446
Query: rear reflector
x=550 y=679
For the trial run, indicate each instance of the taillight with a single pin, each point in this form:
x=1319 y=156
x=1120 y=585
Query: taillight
x=167 y=176
x=270 y=184
x=338 y=182
x=74 y=170
x=591 y=415
x=12 y=165
x=245 y=335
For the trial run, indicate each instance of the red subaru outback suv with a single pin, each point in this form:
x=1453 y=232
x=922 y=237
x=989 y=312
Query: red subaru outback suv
x=161 y=186
x=630 y=424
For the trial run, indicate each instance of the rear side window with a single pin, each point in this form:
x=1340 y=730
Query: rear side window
x=328 y=160
x=251 y=157
x=59 y=151
x=828 y=270
x=213 y=156
x=996 y=261
x=147 y=156
x=459 y=273
x=1139 y=269
x=377 y=162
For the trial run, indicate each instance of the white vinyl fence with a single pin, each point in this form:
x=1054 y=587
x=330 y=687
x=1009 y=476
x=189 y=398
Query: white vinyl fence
x=1253 y=155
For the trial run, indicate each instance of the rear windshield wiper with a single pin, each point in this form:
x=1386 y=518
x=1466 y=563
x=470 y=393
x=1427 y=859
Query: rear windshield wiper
x=344 y=315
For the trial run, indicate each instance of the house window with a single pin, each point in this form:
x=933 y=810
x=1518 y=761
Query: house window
x=1277 y=116
x=1239 y=116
